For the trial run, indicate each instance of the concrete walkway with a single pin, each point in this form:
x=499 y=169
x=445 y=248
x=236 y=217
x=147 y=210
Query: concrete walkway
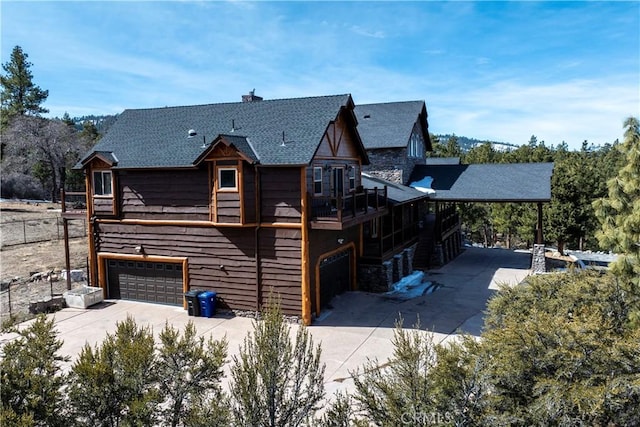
x=359 y=327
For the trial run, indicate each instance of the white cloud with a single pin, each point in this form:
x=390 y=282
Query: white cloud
x=512 y=111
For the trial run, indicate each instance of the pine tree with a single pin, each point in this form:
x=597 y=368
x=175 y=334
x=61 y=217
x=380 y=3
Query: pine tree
x=115 y=383
x=20 y=96
x=31 y=375
x=189 y=371
x=619 y=213
x=276 y=382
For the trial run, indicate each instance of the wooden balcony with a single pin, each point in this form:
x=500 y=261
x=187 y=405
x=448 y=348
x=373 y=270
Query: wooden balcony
x=339 y=213
x=74 y=204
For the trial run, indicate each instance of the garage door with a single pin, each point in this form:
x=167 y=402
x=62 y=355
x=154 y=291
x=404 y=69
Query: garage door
x=155 y=282
x=335 y=276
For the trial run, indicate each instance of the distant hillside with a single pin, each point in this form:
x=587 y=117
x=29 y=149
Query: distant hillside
x=467 y=144
x=102 y=123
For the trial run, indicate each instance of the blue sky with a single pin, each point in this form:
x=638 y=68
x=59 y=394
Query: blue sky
x=563 y=71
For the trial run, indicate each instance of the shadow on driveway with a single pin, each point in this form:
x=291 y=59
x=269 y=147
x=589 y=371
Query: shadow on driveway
x=464 y=287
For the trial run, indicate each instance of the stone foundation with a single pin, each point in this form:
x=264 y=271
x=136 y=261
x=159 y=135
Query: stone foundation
x=538 y=260
x=375 y=278
x=380 y=278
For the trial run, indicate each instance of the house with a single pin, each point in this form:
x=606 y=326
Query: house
x=239 y=198
x=396 y=138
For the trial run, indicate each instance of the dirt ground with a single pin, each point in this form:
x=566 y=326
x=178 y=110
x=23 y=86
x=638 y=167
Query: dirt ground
x=23 y=260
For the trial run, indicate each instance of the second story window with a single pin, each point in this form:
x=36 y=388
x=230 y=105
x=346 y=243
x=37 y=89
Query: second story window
x=317 y=180
x=227 y=179
x=352 y=178
x=102 y=183
x=415 y=146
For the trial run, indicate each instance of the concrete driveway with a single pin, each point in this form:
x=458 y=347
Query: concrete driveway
x=359 y=327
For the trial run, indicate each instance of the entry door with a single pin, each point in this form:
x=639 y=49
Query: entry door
x=338 y=182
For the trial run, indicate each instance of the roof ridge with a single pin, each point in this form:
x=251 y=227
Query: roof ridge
x=389 y=102
x=166 y=107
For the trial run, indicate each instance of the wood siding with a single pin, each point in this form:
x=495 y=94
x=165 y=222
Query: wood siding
x=249 y=196
x=280 y=195
x=219 y=259
x=164 y=195
x=280 y=266
x=338 y=140
x=103 y=206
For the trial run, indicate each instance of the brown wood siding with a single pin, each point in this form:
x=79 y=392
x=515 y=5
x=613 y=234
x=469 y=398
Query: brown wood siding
x=338 y=140
x=219 y=259
x=102 y=206
x=249 y=197
x=280 y=195
x=280 y=267
x=164 y=195
x=228 y=207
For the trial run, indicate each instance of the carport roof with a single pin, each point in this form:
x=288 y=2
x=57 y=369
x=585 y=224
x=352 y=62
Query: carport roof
x=495 y=182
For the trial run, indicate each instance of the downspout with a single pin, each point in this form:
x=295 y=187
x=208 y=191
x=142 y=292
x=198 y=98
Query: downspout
x=258 y=201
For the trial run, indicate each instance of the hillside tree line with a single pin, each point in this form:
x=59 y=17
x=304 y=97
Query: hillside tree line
x=579 y=177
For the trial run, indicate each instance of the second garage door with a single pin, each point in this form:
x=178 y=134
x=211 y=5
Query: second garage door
x=335 y=276
x=155 y=282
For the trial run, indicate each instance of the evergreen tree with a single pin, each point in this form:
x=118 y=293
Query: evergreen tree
x=276 y=382
x=115 y=383
x=189 y=370
x=619 y=213
x=20 y=96
x=400 y=393
x=32 y=379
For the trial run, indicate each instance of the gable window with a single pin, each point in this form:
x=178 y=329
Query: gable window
x=415 y=146
x=317 y=180
x=227 y=179
x=352 y=178
x=102 y=183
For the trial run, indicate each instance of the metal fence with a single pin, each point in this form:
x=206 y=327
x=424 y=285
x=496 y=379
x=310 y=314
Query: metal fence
x=25 y=231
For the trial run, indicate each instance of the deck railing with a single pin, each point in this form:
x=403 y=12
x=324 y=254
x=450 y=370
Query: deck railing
x=346 y=207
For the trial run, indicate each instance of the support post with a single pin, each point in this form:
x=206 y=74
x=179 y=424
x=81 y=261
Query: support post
x=539 y=236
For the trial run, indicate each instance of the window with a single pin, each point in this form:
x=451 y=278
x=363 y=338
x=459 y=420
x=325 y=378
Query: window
x=352 y=178
x=317 y=180
x=102 y=183
x=375 y=225
x=227 y=179
x=415 y=146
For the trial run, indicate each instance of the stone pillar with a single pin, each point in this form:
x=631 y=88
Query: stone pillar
x=538 y=262
x=397 y=268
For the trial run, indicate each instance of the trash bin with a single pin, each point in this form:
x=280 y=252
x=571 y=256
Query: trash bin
x=207 y=304
x=193 y=305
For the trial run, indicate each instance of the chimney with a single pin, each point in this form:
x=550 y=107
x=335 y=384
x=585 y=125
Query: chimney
x=252 y=97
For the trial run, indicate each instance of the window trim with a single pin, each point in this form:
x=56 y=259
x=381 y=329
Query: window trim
x=102 y=173
x=317 y=181
x=219 y=171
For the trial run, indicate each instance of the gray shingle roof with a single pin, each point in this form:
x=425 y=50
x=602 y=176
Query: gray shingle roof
x=396 y=193
x=157 y=137
x=495 y=182
x=389 y=125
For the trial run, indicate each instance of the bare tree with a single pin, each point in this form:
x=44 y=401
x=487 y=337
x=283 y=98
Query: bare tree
x=42 y=148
